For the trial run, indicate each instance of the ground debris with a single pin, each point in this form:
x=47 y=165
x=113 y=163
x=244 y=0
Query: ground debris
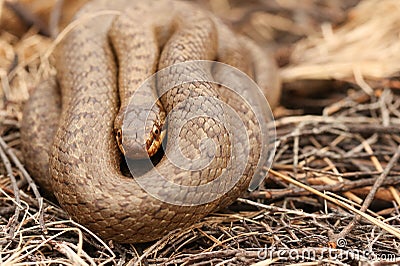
x=331 y=162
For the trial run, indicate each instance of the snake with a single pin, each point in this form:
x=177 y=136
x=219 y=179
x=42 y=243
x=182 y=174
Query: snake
x=73 y=124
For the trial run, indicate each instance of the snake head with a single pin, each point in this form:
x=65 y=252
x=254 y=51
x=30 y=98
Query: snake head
x=139 y=139
x=135 y=148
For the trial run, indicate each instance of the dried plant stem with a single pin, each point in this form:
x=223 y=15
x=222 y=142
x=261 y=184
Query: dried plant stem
x=28 y=178
x=386 y=227
x=367 y=201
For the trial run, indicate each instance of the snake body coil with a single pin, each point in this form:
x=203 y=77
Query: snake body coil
x=69 y=141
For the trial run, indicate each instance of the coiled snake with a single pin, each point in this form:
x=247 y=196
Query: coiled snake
x=69 y=141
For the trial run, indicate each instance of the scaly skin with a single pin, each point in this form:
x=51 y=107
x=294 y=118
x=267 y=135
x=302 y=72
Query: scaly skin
x=82 y=159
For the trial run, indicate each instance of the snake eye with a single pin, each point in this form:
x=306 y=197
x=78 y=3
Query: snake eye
x=119 y=140
x=156 y=131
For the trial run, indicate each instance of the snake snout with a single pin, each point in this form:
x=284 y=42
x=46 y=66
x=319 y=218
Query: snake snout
x=134 y=147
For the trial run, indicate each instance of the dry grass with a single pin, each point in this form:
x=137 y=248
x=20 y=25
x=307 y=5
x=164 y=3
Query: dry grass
x=365 y=47
x=332 y=196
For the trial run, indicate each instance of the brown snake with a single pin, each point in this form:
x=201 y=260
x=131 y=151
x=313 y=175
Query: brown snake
x=69 y=141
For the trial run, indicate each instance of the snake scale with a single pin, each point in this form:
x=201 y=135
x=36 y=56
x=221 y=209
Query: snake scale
x=70 y=121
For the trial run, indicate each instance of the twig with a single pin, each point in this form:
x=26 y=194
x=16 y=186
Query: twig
x=29 y=179
x=13 y=65
x=379 y=181
x=10 y=175
x=276 y=209
x=163 y=241
x=55 y=16
x=388 y=228
x=337 y=187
